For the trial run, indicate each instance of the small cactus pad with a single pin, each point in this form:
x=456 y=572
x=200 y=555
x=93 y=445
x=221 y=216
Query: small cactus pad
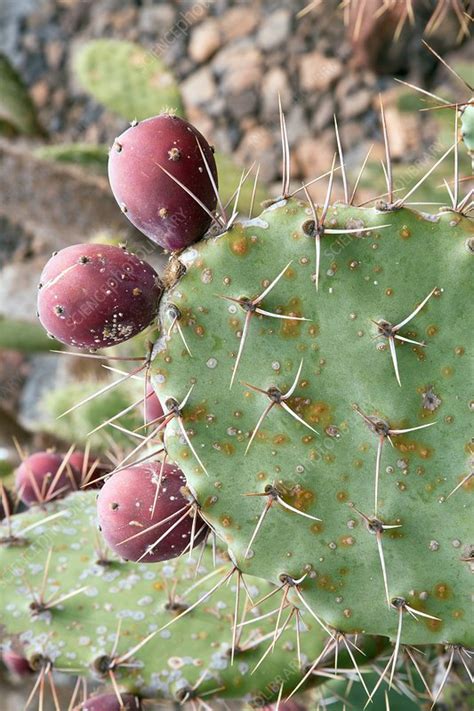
x=126 y=78
x=17 y=111
x=163 y=174
x=93 y=296
x=358 y=416
x=67 y=600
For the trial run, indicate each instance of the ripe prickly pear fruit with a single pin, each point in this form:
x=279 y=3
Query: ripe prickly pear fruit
x=89 y=468
x=110 y=702
x=16 y=663
x=144 y=513
x=44 y=476
x=140 y=164
x=94 y=296
x=152 y=406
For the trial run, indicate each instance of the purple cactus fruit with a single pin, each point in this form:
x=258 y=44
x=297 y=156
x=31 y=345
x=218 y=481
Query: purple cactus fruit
x=90 y=470
x=155 y=203
x=152 y=406
x=110 y=702
x=37 y=478
x=143 y=522
x=16 y=663
x=95 y=295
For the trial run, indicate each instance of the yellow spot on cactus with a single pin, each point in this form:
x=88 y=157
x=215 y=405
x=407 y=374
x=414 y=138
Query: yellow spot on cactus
x=226 y=521
x=405 y=232
x=342 y=496
x=347 y=541
x=316 y=527
x=239 y=245
x=432 y=330
x=434 y=625
x=196 y=414
x=317 y=413
x=447 y=371
x=199 y=330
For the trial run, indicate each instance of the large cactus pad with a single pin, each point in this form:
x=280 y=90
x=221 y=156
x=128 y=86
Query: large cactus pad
x=346 y=359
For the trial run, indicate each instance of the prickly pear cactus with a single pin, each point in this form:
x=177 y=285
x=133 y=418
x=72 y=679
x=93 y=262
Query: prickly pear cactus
x=68 y=602
x=126 y=78
x=327 y=428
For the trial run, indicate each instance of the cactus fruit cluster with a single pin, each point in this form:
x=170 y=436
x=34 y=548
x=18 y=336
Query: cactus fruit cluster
x=308 y=395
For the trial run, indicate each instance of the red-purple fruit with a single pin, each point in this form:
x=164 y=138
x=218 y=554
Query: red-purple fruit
x=38 y=478
x=95 y=295
x=90 y=470
x=155 y=203
x=140 y=522
x=110 y=702
x=152 y=406
x=16 y=663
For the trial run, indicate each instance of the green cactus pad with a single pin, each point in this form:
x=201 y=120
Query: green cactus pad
x=83 y=628
x=126 y=79
x=17 y=112
x=364 y=277
x=92 y=157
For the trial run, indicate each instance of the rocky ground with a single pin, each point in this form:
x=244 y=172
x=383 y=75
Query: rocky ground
x=231 y=59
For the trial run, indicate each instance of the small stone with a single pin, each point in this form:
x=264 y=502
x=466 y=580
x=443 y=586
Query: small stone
x=296 y=124
x=244 y=103
x=274 y=29
x=258 y=144
x=317 y=72
x=313 y=157
x=239 y=22
x=355 y=104
x=158 y=20
x=54 y=53
x=205 y=40
x=323 y=114
x=275 y=85
x=352 y=134
x=198 y=88
x=40 y=93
